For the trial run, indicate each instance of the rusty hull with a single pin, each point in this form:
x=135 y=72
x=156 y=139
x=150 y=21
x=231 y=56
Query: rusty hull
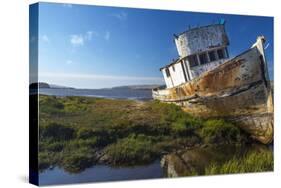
x=236 y=90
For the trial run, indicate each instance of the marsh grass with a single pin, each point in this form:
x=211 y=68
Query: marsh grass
x=257 y=161
x=73 y=129
x=132 y=150
x=220 y=131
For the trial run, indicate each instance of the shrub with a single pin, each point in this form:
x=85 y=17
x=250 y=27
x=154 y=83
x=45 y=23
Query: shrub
x=43 y=161
x=220 y=131
x=79 y=143
x=54 y=146
x=75 y=106
x=56 y=132
x=122 y=128
x=85 y=133
x=132 y=150
x=185 y=126
x=179 y=126
x=169 y=112
x=77 y=160
x=103 y=136
x=50 y=104
x=46 y=159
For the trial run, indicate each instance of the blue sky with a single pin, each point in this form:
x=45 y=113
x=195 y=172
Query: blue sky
x=87 y=46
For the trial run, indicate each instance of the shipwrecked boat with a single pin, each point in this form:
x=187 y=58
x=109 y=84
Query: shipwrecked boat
x=207 y=83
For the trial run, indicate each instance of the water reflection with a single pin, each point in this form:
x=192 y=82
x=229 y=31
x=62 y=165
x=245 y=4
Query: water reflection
x=100 y=173
x=194 y=161
x=181 y=163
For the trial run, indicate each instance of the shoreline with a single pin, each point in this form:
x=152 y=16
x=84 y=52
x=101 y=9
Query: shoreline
x=115 y=97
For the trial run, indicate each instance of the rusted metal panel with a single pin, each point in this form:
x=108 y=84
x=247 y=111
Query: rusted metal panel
x=242 y=70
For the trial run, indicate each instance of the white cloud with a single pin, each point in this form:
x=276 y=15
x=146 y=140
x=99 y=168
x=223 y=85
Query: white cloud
x=107 y=35
x=67 y=5
x=97 y=76
x=90 y=34
x=77 y=40
x=45 y=38
x=81 y=39
x=122 y=16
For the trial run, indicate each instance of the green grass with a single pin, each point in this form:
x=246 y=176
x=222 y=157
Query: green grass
x=252 y=162
x=73 y=129
x=132 y=150
x=220 y=131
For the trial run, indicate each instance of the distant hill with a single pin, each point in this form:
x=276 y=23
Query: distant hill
x=60 y=87
x=39 y=85
x=149 y=87
x=46 y=85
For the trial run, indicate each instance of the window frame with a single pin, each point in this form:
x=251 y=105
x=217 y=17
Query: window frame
x=206 y=58
x=212 y=52
x=222 y=53
x=194 y=60
x=167 y=72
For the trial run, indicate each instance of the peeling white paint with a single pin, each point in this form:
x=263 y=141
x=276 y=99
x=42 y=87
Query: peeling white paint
x=201 y=39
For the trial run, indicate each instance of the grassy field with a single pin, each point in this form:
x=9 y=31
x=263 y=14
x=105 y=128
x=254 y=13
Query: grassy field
x=78 y=132
x=251 y=162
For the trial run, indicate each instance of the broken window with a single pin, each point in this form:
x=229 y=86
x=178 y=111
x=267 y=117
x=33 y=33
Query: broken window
x=212 y=56
x=167 y=72
x=193 y=61
x=220 y=53
x=203 y=58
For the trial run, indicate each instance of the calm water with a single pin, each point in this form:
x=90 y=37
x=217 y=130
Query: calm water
x=198 y=158
x=137 y=94
x=100 y=173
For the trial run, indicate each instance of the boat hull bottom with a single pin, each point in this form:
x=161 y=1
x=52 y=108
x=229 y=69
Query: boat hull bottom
x=259 y=126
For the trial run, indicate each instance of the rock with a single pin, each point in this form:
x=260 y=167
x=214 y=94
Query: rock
x=173 y=165
x=194 y=161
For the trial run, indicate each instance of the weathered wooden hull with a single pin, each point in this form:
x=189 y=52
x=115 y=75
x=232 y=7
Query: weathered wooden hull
x=238 y=90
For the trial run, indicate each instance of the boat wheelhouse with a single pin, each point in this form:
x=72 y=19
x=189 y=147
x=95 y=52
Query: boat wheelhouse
x=200 y=50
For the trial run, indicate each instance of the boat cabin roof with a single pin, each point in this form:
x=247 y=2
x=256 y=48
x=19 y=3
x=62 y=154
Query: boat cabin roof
x=175 y=61
x=197 y=28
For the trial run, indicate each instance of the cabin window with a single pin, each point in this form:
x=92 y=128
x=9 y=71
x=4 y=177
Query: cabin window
x=167 y=72
x=203 y=58
x=220 y=54
x=193 y=61
x=212 y=55
x=173 y=68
